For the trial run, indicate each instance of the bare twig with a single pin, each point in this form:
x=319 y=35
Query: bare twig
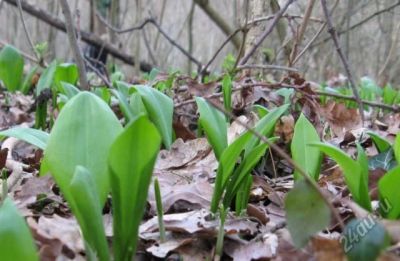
x=267 y=32
x=270 y=17
x=154 y=22
x=27 y=56
x=391 y=51
x=335 y=39
x=148 y=47
x=322 y=27
x=88 y=37
x=74 y=45
x=245 y=31
x=99 y=74
x=28 y=36
x=218 y=19
x=286 y=157
x=363 y=21
x=267 y=67
x=300 y=34
x=227 y=40
x=308 y=45
x=393 y=108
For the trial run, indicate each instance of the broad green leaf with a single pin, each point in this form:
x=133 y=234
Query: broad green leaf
x=123 y=103
x=214 y=124
x=68 y=89
x=265 y=126
x=351 y=171
x=389 y=194
x=389 y=95
x=16 y=242
x=88 y=211
x=160 y=109
x=82 y=135
x=364 y=239
x=136 y=104
x=11 y=68
x=381 y=144
x=306 y=212
x=131 y=161
x=396 y=148
x=47 y=78
x=32 y=136
x=66 y=72
x=27 y=83
x=307 y=157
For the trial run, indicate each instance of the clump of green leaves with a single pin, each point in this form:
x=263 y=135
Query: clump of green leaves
x=237 y=160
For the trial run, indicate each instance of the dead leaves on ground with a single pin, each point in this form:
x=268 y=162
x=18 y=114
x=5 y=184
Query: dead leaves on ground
x=186 y=175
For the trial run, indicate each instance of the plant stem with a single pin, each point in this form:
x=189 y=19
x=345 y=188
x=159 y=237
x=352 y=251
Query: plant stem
x=4 y=185
x=160 y=215
x=221 y=233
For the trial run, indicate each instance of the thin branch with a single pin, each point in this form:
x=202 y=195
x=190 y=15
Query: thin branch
x=154 y=22
x=286 y=157
x=218 y=19
x=308 y=45
x=270 y=17
x=99 y=74
x=28 y=36
x=148 y=47
x=322 y=27
x=267 y=32
x=74 y=45
x=245 y=31
x=363 y=21
x=27 y=56
x=267 y=67
x=335 y=39
x=300 y=35
x=88 y=37
x=227 y=40
x=393 y=108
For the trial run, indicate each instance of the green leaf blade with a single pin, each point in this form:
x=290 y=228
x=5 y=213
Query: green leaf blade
x=131 y=161
x=307 y=157
x=11 y=68
x=389 y=194
x=160 y=109
x=16 y=242
x=82 y=135
x=32 y=136
x=214 y=125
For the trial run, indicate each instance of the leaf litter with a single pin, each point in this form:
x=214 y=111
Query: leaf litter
x=186 y=174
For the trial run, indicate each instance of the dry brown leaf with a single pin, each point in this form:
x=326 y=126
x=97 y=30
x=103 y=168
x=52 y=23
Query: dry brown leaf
x=327 y=249
x=285 y=128
x=199 y=222
x=340 y=118
x=258 y=250
x=58 y=234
